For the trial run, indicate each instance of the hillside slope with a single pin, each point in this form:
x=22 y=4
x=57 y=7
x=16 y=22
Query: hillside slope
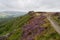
x=12 y=25
x=32 y=26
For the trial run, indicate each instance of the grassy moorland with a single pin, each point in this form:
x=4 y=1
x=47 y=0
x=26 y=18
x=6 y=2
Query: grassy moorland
x=56 y=17
x=12 y=25
x=28 y=27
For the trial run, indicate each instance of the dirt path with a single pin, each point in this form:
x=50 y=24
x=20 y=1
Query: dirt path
x=54 y=24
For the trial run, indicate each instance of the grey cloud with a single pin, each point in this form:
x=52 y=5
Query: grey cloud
x=27 y=5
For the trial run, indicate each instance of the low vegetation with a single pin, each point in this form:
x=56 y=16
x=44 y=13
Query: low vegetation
x=13 y=28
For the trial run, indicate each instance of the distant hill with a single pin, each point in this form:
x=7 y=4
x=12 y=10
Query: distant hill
x=7 y=14
x=31 y=26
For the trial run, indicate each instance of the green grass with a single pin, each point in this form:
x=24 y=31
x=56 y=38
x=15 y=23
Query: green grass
x=13 y=24
x=56 y=19
x=16 y=35
x=49 y=33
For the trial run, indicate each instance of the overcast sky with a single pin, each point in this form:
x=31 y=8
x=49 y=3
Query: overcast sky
x=28 y=5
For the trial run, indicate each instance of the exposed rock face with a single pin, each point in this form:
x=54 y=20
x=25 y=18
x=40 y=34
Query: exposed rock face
x=30 y=12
